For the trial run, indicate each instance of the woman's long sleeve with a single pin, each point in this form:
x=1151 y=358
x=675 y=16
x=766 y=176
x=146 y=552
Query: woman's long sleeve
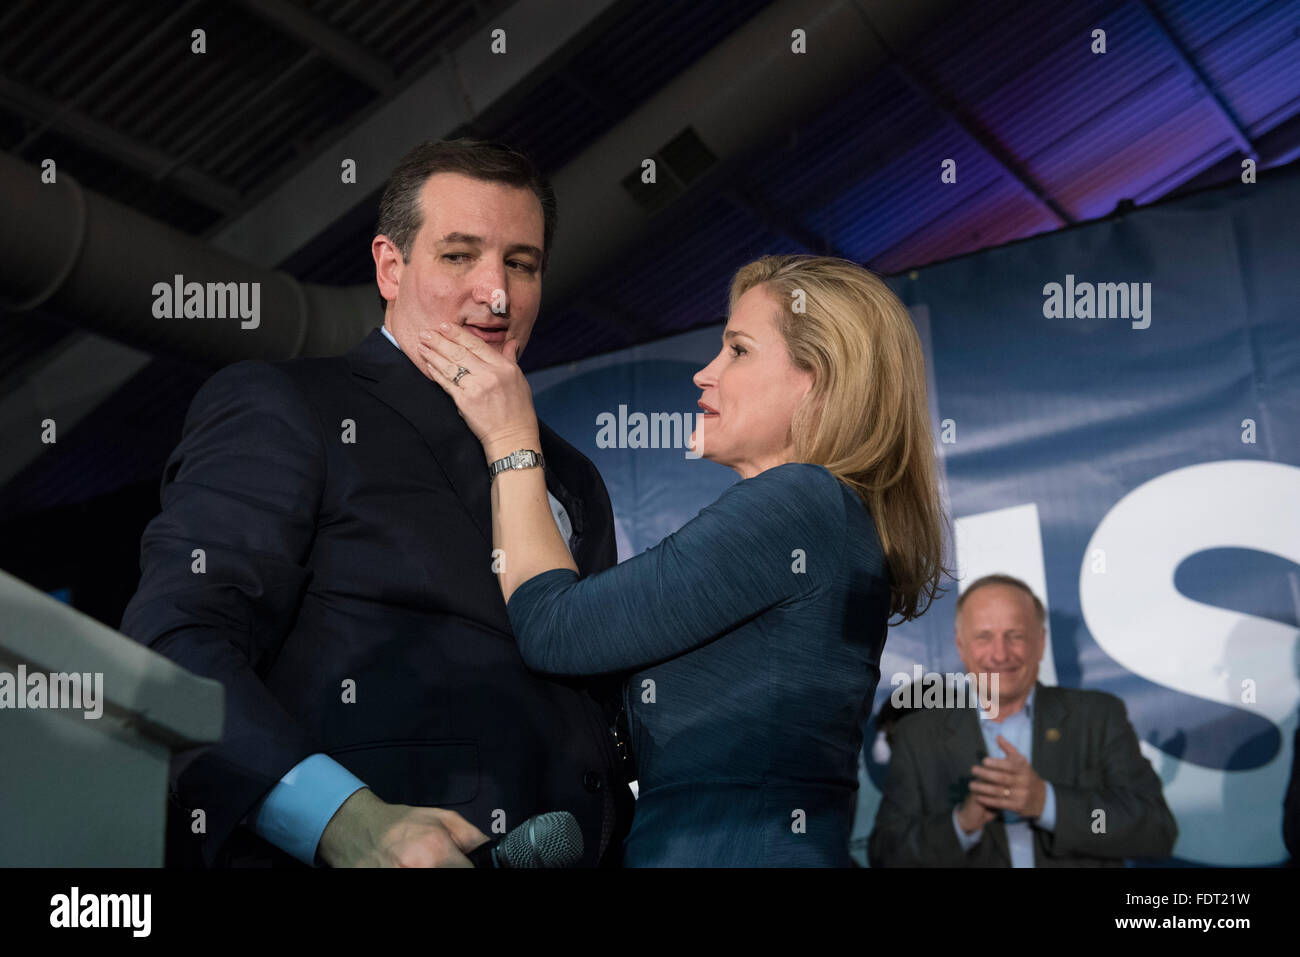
x=752 y=549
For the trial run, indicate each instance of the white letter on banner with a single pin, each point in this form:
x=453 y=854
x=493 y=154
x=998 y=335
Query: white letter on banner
x=1141 y=621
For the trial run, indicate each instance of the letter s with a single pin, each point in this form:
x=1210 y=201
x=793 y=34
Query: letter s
x=1138 y=618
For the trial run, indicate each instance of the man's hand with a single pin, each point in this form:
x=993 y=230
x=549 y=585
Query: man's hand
x=1009 y=783
x=368 y=832
x=972 y=815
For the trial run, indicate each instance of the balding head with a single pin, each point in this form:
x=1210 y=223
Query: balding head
x=1000 y=630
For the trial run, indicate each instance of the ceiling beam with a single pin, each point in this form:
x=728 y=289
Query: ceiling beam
x=119 y=65
x=1278 y=146
x=1190 y=64
x=104 y=139
x=245 y=108
x=335 y=46
x=458 y=89
x=956 y=113
x=748 y=202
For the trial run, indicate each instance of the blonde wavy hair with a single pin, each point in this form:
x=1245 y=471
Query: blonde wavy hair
x=866 y=419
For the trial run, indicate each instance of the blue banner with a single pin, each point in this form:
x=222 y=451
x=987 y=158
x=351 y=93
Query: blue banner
x=1117 y=411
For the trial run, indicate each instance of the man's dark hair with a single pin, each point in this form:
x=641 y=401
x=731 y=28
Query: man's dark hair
x=400 y=215
x=1002 y=580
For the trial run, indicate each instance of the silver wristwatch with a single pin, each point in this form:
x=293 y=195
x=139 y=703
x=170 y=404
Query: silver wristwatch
x=522 y=459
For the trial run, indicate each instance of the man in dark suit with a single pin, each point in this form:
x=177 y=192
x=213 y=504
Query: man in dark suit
x=324 y=551
x=1066 y=785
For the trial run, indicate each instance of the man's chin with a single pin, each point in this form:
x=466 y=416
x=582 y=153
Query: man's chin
x=1009 y=692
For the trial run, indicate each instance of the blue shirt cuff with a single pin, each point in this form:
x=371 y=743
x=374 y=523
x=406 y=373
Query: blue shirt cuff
x=293 y=816
x=1047 y=820
x=967 y=841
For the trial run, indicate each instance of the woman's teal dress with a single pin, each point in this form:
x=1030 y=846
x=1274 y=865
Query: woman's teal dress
x=753 y=635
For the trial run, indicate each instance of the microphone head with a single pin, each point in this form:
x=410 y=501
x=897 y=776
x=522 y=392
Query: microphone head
x=553 y=839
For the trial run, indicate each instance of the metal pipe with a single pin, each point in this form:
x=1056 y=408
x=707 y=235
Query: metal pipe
x=101 y=264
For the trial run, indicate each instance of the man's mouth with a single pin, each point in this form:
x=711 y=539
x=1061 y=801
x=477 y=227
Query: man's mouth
x=489 y=333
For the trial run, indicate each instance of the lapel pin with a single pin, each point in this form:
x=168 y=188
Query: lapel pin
x=1053 y=734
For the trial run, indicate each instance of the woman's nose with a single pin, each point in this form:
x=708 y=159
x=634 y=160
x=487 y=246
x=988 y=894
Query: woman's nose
x=704 y=377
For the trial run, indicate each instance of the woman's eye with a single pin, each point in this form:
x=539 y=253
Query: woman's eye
x=737 y=351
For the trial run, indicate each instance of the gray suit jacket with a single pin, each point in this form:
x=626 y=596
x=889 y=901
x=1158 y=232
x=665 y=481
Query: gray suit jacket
x=1083 y=744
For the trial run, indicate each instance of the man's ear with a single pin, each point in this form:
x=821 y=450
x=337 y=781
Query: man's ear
x=388 y=266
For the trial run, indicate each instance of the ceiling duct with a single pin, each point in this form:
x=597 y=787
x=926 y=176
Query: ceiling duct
x=746 y=92
x=683 y=160
x=97 y=262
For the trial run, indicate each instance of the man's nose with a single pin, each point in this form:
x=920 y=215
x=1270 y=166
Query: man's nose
x=490 y=288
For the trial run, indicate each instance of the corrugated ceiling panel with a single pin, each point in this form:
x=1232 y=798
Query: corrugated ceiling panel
x=1127 y=158
x=858 y=134
x=616 y=72
x=1265 y=94
x=1092 y=129
x=1201 y=22
x=1253 y=34
x=999 y=213
x=908 y=194
x=688 y=266
x=1068 y=88
x=983 y=46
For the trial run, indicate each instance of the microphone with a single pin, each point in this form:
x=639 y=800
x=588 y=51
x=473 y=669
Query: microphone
x=553 y=839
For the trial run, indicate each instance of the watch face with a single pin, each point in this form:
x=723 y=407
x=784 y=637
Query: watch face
x=519 y=459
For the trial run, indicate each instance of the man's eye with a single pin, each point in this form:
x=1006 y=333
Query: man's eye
x=524 y=266
x=455 y=257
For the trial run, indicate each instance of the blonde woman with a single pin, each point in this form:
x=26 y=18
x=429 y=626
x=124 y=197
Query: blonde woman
x=752 y=636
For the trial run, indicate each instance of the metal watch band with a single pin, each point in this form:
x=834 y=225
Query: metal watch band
x=520 y=459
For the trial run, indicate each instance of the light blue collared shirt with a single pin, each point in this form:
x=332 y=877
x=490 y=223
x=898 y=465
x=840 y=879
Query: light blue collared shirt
x=1019 y=730
x=294 y=814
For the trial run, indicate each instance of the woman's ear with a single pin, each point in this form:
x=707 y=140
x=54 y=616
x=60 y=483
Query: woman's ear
x=815 y=402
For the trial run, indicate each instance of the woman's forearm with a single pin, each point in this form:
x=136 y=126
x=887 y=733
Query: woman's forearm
x=523 y=529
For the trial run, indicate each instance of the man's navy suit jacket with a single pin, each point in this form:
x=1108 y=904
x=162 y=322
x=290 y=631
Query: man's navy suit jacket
x=324 y=551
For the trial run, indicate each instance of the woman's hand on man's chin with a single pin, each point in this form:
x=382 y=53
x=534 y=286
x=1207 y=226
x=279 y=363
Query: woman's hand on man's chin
x=493 y=397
